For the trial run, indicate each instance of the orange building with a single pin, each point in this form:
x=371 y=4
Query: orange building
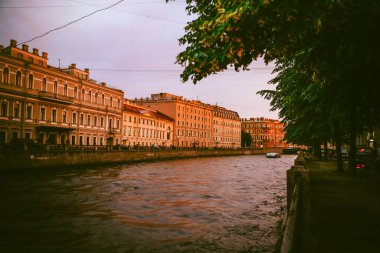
x=266 y=133
x=52 y=105
x=193 y=119
x=144 y=127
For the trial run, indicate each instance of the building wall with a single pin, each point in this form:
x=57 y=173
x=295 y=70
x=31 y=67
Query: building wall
x=193 y=119
x=266 y=133
x=145 y=127
x=227 y=128
x=54 y=106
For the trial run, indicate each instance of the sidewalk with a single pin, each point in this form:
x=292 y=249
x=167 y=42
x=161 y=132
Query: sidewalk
x=345 y=209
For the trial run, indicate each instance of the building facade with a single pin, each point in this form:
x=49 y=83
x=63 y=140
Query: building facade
x=52 y=105
x=266 y=133
x=226 y=128
x=145 y=127
x=193 y=120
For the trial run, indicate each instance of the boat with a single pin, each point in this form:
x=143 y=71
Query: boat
x=273 y=155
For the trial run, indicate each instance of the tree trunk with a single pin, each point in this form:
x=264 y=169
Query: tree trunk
x=352 y=153
x=338 y=145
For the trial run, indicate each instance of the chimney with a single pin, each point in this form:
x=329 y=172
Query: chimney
x=35 y=51
x=73 y=66
x=87 y=70
x=25 y=47
x=44 y=55
x=103 y=84
x=13 y=43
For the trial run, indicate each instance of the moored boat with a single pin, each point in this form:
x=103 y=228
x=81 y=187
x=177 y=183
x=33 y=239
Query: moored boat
x=273 y=155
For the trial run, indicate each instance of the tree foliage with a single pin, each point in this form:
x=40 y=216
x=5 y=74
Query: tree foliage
x=326 y=55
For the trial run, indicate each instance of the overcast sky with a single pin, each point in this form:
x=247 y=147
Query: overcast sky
x=131 y=46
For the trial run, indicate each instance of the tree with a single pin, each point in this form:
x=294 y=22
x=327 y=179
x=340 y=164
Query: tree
x=246 y=139
x=337 y=39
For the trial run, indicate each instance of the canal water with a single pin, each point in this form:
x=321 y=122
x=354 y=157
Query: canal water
x=223 y=204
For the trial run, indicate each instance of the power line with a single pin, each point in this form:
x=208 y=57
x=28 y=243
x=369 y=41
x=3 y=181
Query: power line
x=168 y=70
x=61 y=27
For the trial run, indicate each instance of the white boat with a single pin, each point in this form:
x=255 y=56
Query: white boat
x=273 y=155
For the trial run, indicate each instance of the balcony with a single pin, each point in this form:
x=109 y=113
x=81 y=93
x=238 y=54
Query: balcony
x=56 y=97
x=112 y=130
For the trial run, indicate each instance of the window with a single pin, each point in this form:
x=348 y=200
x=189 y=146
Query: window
x=6 y=75
x=43 y=114
x=4 y=109
x=29 y=112
x=65 y=90
x=117 y=124
x=44 y=84
x=55 y=87
x=110 y=123
x=95 y=120
x=89 y=120
x=101 y=122
x=64 y=116
x=103 y=100
x=54 y=115
x=89 y=96
x=16 y=110
x=82 y=94
x=30 y=81
x=74 y=117
x=118 y=103
x=94 y=141
x=18 y=78
x=111 y=101
x=96 y=98
x=75 y=92
x=81 y=122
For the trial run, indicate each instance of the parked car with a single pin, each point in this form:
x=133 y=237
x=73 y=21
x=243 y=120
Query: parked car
x=365 y=158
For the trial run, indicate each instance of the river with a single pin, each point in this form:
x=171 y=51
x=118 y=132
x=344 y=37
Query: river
x=221 y=204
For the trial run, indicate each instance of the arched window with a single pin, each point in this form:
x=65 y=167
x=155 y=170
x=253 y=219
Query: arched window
x=44 y=84
x=6 y=75
x=18 y=78
x=82 y=94
x=103 y=99
x=65 y=91
x=111 y=101
x=55 y=87
x=75 y=92
x=89 y=96
x=96 y=98
x=30 y=81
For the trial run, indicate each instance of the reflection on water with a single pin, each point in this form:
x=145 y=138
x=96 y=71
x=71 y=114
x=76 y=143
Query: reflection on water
x=228 y=204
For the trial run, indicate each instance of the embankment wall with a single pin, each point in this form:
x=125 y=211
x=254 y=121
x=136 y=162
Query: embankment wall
x=14 y=161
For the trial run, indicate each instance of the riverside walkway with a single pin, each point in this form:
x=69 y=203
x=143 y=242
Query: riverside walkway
x=345 y=210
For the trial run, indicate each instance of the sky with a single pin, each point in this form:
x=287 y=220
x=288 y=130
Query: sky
x=131 y=46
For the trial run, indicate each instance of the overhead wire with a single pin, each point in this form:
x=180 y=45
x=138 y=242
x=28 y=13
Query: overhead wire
x=72 y=22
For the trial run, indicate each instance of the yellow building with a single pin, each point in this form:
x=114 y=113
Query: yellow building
x=227 y=128
x=144 y=127
x=193 y=119
x=53 y=105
